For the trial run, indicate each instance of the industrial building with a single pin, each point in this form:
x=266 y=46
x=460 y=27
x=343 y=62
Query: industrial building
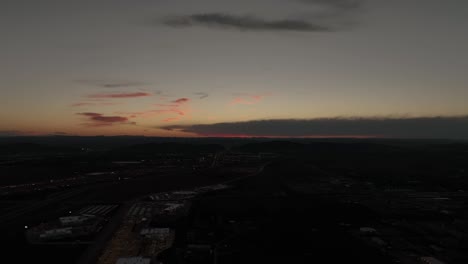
x=75 y=220
x=160 y=233
x=56 y=233
x=98 y=210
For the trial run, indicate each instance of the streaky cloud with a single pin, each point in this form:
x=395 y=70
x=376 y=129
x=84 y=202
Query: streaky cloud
x=97 y=119
x=119 y=95
x=329 y=16
x=181 y=101
x=202 y=95
x=95 y=103
x=450 y=127
x=336 y=4
x=111 y=84
x=171 y=119
x=243 y=23
x=82 y=104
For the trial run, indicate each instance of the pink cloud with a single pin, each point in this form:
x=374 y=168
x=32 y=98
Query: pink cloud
x=100 y=103
x=177 y=111
x=111 y=103
x=167 y=105
x=155 y=112
x=171 y=119
x=172 y=111
x=82 y=104
x=119 y=95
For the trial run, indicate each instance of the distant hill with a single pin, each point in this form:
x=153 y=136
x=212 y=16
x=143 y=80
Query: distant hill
x=271 y=146
x=314 y=147
x=453 y=147
x=349 y=147
x=114 y=142
x=151 y=145
x=33 y=148
x=155 y=149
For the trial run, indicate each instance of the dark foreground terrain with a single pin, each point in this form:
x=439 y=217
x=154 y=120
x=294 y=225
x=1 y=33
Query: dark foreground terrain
x=233 y=201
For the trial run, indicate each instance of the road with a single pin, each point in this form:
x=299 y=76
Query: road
x=92 y=253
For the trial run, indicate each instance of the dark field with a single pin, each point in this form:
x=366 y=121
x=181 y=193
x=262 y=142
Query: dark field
x=308 y=203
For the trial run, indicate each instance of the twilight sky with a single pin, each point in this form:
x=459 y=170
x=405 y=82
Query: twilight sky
x=234 y=68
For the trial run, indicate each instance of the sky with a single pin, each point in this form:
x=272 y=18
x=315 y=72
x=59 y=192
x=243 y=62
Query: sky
x=279 y=68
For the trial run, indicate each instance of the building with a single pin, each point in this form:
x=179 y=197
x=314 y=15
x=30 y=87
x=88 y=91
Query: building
x=367 y=230
x=160 y=233
x=75 y=220
x=56 y=233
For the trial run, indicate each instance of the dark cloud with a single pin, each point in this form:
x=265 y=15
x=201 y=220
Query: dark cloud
x=119 y=95
x=202 y=95
x=124 y=84
x=102 y=120
x=181 y=101
x=419 y=127
x=336 y=4
x=331 y=15
x=111 y=84
x=244 y=23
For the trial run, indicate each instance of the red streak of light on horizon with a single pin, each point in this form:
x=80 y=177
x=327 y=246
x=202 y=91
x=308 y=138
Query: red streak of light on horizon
x=286 y=137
